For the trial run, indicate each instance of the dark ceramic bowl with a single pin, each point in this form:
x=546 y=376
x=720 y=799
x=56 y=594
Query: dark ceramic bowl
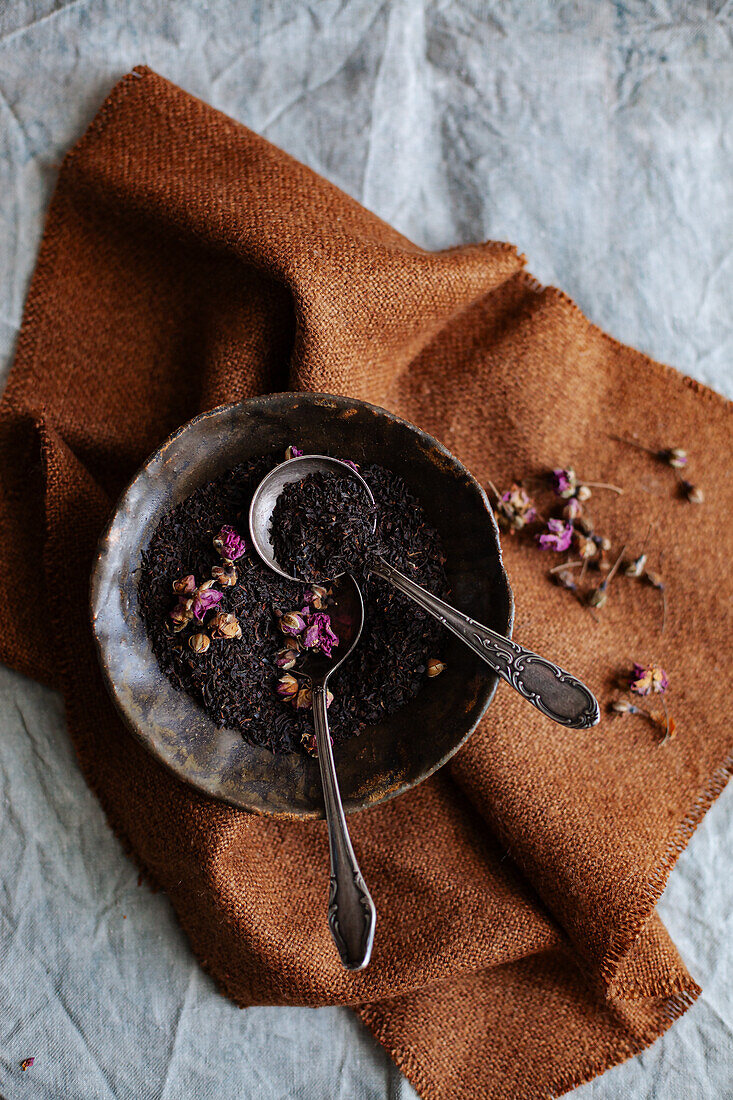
x=386 y=759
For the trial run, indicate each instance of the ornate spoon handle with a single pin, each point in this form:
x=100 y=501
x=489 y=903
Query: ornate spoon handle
x=351 y=912
x=553 y=691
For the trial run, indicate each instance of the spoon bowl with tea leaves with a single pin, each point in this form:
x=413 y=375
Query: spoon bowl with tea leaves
x=554 y=692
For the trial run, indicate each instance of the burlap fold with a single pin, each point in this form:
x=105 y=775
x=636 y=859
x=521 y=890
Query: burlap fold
x=186 y=262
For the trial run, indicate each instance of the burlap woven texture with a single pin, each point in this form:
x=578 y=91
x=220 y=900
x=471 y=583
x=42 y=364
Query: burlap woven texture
x=186 y=262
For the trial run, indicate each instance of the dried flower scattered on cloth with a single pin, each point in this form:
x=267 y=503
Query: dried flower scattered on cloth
x=648 y=680
x=514 y=509
x=565 y=484
x=557 y=537
x=230 y=544
x=26 y=1063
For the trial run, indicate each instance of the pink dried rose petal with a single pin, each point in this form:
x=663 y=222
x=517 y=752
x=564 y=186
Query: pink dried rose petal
x=230 y=544
x=204 y=601
x=558 y=536
x=320 y=634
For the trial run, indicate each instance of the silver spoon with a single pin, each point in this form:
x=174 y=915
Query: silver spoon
x=351 y=913
x=556 y=693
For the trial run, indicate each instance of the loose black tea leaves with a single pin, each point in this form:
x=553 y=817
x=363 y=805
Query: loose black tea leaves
x=229 y=631
x=323 y=526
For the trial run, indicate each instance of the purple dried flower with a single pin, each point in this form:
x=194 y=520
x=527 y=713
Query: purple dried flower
x=564 y=481
x=204 y=600
x=319 y=634
x=293 y=622
x=648 y=680
x=558 y=536
x=230 y=544
x=348 y=462
x=293 y=452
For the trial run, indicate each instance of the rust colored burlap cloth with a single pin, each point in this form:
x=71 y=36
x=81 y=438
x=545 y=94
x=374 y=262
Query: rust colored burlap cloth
x=187 y=263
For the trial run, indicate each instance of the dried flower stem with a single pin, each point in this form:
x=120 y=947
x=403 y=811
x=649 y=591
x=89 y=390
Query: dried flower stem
x=603 y=485
x=566 y=565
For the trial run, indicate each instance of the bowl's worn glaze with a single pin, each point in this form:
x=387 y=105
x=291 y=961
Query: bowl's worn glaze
x=386 y=759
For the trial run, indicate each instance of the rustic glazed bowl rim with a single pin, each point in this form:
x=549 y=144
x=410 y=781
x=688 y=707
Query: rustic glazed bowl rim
x=265 y=403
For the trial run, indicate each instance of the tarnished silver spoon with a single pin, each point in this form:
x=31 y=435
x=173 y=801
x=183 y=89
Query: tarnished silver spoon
x=556 y=693
x=351 y=913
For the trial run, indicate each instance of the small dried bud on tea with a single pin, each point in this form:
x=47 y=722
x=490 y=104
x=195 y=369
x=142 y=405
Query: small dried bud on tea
x=675 y=457
x=181 y=614
x=563 y=481
x=692 y=492
x=635 y=568
x=583 y=493
x=230 y=544
x=316 y=596
x=286 y=658
x=648 y=680
x=288 y=687
x=434 y=667
x=199 y=643
x=558 y=536
x=185 y=586
x=573 y=509
x=304 y=698
x=226 y=625
x=206 y=585
x=293 y=452
x=226 y=575
x=204 y=600
x=292 y=623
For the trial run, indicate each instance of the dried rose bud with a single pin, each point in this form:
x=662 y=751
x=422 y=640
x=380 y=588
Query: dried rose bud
x=292 y=623
x=181 y=614
x=204 y=600
x=563 y=481
x=304 y=698
x=185 y=586
x=573 y=509
x=226 y=625
x=288 y=688
x=206 y=585
x=675 y=457
x=199 y=643
x=293 y=452
x=648 y=680
x=693 y=493
x=26 y=1063
x=597 y=597
x=635 y=568
x=286 y=658
x=623 y=706
x=225 y=575
x=586 y=546
x=583 y=493
x=565 y=579
x=230 y=544
x=434 y=667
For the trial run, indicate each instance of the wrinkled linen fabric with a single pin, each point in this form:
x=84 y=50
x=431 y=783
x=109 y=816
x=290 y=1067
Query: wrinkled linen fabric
x=172 y=1054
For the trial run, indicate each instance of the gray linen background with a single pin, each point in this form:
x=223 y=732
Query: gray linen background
x=596 y=136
